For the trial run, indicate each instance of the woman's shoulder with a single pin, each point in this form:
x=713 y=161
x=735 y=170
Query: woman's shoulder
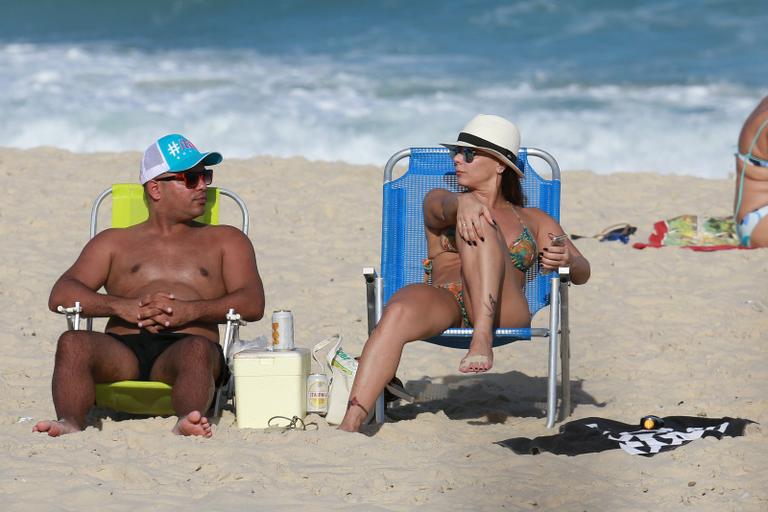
x=537 y=218
x=535 y=213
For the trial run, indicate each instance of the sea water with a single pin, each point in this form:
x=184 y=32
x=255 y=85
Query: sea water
x=662 y=85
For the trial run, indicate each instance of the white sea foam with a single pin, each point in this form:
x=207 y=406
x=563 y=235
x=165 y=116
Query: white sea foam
x=243 y=103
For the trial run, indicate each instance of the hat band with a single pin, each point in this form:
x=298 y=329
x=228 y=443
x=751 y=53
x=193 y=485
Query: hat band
x=480 y=142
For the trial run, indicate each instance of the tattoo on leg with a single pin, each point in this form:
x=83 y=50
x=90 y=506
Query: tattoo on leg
x=491 y=305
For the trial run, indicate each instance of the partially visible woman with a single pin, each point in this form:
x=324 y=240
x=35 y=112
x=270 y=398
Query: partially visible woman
x=480 y=243
x=751 y=197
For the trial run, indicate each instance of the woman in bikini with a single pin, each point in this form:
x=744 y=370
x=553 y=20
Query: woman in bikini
x=751 y=199
x=480 y=243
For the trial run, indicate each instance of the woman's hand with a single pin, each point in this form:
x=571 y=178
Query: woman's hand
x=556 y=255
x=470 y=213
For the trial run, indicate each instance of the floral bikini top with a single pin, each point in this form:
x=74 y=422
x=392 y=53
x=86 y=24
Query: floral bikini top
x=522 y=250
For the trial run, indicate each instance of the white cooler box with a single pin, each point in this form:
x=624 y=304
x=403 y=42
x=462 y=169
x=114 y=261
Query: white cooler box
x=269 y=384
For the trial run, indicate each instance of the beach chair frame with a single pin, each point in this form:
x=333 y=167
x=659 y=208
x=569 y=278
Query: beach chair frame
x=149 y=397
x=403 y=247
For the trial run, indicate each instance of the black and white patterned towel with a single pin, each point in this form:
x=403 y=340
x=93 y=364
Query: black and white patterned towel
x=591 y=435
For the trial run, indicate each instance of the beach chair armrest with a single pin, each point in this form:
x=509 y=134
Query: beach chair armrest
x=73 y=315
x=232 y=334
x=373 y=294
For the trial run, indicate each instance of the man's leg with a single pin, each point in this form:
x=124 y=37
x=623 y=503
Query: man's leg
x=84 y=358
x=191 y=366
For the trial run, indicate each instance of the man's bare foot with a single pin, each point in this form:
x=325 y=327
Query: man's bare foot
x=55 y=428
x=193 y=424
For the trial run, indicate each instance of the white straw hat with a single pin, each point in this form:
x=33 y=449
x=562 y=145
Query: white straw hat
x=493 y=134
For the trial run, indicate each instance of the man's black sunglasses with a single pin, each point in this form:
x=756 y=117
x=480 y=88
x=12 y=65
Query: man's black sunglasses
x=191 y=179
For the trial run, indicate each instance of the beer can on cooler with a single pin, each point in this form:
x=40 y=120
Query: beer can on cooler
x=317 y=393
x=282 y=330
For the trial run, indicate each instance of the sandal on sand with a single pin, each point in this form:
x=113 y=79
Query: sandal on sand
x=476 y=359
x=396 y=391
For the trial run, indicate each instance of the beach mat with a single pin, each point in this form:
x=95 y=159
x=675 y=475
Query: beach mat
x=592 y=435
x=695 y=232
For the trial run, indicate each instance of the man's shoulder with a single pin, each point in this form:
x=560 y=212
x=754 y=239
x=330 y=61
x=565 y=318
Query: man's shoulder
x=114 y=235
x=223 y=232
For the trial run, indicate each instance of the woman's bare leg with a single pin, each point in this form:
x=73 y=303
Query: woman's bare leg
x=413 y=313
x=483 y=269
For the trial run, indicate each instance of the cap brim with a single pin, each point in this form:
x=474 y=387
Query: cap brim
x=501 y=157
x=211 y=158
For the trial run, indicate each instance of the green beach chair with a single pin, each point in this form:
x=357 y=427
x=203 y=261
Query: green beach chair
x=129 y=207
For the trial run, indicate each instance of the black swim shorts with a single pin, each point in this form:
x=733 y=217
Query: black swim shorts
x=147 y=347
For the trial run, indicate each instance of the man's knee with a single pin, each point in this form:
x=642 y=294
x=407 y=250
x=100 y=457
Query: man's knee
x=198 y=350
x=74 y=344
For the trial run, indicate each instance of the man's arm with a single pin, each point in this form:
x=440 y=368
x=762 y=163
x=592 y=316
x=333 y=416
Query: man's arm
x=85 y=277
x=242 y=282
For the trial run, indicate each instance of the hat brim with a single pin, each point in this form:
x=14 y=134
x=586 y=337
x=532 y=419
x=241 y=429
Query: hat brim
x=211 y=158
x=495 y=153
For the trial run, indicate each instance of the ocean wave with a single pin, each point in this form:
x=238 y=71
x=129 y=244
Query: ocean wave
x=242 y=102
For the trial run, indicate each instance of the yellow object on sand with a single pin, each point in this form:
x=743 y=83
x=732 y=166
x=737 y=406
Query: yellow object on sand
x=136 y=397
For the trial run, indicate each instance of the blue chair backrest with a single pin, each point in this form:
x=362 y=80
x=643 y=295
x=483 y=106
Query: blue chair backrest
x=403 y=243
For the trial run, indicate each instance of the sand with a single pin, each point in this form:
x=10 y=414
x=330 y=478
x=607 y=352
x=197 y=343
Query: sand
x=666 y=332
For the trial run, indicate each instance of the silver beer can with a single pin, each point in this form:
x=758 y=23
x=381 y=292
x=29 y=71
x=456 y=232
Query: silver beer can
x=282 y=330
x=317 y=393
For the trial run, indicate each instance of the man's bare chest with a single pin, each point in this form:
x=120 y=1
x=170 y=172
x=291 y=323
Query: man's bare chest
x=195 y=262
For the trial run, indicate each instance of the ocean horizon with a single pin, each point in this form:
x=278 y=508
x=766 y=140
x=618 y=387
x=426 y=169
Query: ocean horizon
x=661 y=86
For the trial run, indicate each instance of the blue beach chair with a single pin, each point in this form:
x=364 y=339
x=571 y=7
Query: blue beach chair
x=404 y=247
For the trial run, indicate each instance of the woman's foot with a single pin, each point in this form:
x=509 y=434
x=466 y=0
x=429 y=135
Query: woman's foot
x=477 y=360
x=355 y=416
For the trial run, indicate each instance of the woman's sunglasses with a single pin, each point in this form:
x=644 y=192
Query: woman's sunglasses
x=191 y=179
x=469 y=154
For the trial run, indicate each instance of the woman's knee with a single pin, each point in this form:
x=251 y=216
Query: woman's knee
x=397 y=312
x=492 y=240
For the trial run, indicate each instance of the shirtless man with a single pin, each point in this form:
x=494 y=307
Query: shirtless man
x=169 y=282
x=751 y=199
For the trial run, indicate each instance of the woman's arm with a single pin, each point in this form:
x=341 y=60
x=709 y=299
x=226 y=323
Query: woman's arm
x=443 y=208
x=554 y=256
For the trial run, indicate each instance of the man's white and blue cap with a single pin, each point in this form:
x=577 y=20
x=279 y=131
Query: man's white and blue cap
x=173 y=153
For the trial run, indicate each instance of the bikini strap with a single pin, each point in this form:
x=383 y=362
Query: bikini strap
x=522 y=222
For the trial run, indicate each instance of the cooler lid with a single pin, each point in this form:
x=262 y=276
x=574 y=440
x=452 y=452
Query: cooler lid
x=271 y=354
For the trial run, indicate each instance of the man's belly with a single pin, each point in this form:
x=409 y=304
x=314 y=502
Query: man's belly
x=180 y=291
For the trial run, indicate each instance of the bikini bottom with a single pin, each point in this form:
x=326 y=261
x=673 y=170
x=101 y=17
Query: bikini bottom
x=749 y=223
x=457 y=289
